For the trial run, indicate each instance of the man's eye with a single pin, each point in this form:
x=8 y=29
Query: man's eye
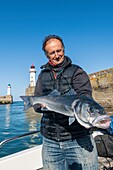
x=53 y=52
x=58 y=51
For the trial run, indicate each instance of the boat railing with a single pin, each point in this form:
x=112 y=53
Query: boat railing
x=18 y=137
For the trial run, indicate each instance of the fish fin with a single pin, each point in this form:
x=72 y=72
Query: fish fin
x=71 y=120
x=27 y=103
x=71 y=112
x=70 y=92
x=54 y=93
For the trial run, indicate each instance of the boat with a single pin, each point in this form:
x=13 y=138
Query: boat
x=29 y=159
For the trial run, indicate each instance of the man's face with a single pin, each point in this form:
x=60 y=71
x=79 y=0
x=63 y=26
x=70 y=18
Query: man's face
x=54 y=51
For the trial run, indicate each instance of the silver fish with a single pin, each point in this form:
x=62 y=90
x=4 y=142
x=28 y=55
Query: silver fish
x=87 y=111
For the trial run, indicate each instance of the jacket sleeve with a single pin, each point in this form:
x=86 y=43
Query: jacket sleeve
x=38 y=92
x=38 y=87
x=81 y=83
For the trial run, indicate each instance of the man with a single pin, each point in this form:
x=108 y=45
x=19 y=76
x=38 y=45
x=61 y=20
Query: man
x=64 y=146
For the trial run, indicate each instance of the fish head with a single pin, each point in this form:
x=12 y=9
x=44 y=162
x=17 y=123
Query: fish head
x=98 y=116
x=90 y=114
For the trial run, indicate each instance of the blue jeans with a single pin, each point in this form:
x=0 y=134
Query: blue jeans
x=79 y=154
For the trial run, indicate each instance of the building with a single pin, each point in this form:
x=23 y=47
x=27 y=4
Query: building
x=30 y=89
x=8 y=99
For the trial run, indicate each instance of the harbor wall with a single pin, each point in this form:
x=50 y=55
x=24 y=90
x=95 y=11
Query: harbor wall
x=102 y=86
x=30 y=91
x=6 y=99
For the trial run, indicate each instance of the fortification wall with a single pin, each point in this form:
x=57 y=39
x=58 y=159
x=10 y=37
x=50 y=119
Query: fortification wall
x=102 y=87
x=29 y=91
x=6 y=99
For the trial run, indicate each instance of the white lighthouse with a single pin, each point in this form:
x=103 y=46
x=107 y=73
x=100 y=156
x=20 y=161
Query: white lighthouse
x=8 y=90
x=32 y=72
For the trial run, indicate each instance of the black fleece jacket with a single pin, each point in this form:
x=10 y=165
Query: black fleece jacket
x=53 y=125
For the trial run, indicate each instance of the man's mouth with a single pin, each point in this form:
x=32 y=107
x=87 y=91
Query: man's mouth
x=58 y=58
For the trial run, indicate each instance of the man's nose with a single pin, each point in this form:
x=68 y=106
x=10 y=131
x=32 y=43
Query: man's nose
x=56 y=54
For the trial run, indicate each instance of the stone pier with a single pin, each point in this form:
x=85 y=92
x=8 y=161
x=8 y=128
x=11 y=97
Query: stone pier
x=6 y=99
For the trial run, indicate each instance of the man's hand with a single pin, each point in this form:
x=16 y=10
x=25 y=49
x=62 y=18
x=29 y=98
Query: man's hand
x=43 y=107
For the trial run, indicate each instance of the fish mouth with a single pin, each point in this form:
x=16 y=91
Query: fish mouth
x=102 y=121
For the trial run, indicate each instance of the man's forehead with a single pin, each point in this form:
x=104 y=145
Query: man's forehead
x=53 y=40
x=53 y=43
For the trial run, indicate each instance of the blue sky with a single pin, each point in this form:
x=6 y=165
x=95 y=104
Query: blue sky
x=86 y=27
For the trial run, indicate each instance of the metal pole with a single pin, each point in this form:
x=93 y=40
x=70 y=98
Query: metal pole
x=17 y=137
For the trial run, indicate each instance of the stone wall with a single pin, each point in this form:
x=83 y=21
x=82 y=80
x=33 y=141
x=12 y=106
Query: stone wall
x=29 y=91
x=102 y=86
x=6 y=99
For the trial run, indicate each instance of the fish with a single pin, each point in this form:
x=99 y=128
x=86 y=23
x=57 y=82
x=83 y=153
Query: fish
x=85 y=110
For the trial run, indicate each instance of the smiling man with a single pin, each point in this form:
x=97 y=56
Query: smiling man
x=68 y=147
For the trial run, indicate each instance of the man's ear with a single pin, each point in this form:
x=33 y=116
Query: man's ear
x=47 y=56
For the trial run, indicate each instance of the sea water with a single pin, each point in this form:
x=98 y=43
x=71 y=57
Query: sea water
x=14 y=122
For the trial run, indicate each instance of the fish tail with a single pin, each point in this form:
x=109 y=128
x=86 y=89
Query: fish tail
x=27 y=102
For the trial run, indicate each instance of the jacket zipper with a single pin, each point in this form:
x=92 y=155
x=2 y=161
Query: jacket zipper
x=56 y=87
